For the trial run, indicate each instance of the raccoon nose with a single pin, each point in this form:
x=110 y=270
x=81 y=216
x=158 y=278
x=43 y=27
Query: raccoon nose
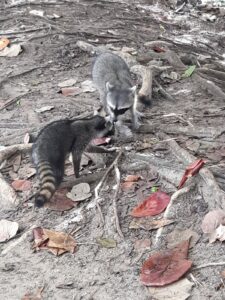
x=115 y=119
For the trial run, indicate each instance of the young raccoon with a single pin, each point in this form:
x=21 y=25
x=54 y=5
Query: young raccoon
x=52 y=145
x=112 y=78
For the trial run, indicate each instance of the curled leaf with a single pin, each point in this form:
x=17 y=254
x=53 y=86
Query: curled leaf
x=191 y=170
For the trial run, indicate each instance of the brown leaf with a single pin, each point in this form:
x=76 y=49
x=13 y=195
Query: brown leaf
x=132 y=178
x=3 y=43
x=140 y=245
x=34 y=296
x=72 y=91
x=16 y=161
x=218 y=234
x=60 y=202
x=149 y=224
x=8 y=229
x=167 y=266
x=21 y=185
x=177 y=236
x=56 y=242
x=212 y=220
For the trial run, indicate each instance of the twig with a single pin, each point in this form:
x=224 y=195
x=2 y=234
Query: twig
x=13 y=100
x=164 y=92
x=10 y=150
x=101 y=183
x=175 y=195
x=117 y=172
x=222 y=263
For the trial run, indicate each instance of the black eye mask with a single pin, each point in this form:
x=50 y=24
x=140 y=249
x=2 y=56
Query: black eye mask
x=120 y=111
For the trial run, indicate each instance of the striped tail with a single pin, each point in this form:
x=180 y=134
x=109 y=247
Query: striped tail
x=47 y=183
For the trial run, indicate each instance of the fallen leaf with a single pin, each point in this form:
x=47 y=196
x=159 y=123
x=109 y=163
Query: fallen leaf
x=44 y=108
x=167 y=266
x=212 y=220
x=188 y=72
x=179 y=290
x=26 y=138
x=88 y=86
x=158 y=49
x=16 y=161
x=56 y=242
x=80 y=192
x=11 y=51
x=191 y=170
x=8 y=229
x=35 y=12
x=141 y=245
x=101 y=141
x=149 y=224
x=66 y=286
x=66 y=83
x=53 y=16
x=223 y=274
x=72 y=91
x=177 y=236
x=3 y=43
x=218 y=234
x=60 y=202
x=26 y=172
x=106 y=243
x=129 y=181
x=153 y=205
x=21 y=185
x=127 y=185
x=154 y=189
x=34 y=296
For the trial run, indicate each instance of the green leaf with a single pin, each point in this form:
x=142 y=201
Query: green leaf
x=188 y=72
x=154 y=189
x=107 y=243
x=18 y=102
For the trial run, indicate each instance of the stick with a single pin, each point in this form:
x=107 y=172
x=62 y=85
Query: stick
x=10 y=150
x=101 y=183
x=175 y=195
x=209 y=265
x=117 y=171
x=13 y=100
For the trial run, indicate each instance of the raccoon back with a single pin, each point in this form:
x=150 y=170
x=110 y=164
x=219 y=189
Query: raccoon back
x=109 y=67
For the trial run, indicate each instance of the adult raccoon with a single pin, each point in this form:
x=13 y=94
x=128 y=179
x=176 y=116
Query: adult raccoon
x=54 y=142
x=112 y=78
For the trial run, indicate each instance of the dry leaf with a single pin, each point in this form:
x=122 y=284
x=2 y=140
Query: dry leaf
x=100 y=141
x=60 y=202
x=177 y=236
x=11 y=51
x=26 y=138
x=35 y=12
x=107 y=243
x=179 y=290
x=21 y=185
x=149 y=224
x=218 y=234
x=129 y=181
x=73 y=91
x=44 y=108
x=69 y=82
x=36 y=296
x=16 y=162
x=56 y=242
x=88 y=86
x=167 y=266
x=3 y=43
x=212 y=220
x=8 y=229
x=80 y=192
x=141 y=245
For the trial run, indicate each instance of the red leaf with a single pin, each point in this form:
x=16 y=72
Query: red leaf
x=153 y=205
x=101 y=141
x=167 y=266
x=191 y=170
x=60 y=202
x=129 y=181
x=158 y=49
x=70 y=91
x=21 y=185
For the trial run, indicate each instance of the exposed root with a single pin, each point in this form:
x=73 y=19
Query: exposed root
x=117 y=173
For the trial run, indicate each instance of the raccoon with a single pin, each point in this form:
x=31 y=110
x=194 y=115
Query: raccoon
x=52 y=145
x=112 y=78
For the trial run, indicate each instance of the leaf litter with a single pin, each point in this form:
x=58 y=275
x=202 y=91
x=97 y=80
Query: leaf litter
x=56 y=242
x=8 y=230
x=80 y=192
x=149 y=223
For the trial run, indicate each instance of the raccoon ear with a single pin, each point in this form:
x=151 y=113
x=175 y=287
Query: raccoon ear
x=109 y=86
x=133 y=89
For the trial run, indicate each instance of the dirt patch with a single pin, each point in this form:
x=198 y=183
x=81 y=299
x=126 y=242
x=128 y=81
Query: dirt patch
x=194 y=119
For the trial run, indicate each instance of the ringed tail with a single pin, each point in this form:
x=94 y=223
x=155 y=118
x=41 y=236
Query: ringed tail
x=47 y=183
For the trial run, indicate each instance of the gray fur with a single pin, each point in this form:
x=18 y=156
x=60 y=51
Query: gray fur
x=112 y=78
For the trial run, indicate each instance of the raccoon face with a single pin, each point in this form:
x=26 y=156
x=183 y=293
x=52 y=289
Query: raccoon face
x=119 y=100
